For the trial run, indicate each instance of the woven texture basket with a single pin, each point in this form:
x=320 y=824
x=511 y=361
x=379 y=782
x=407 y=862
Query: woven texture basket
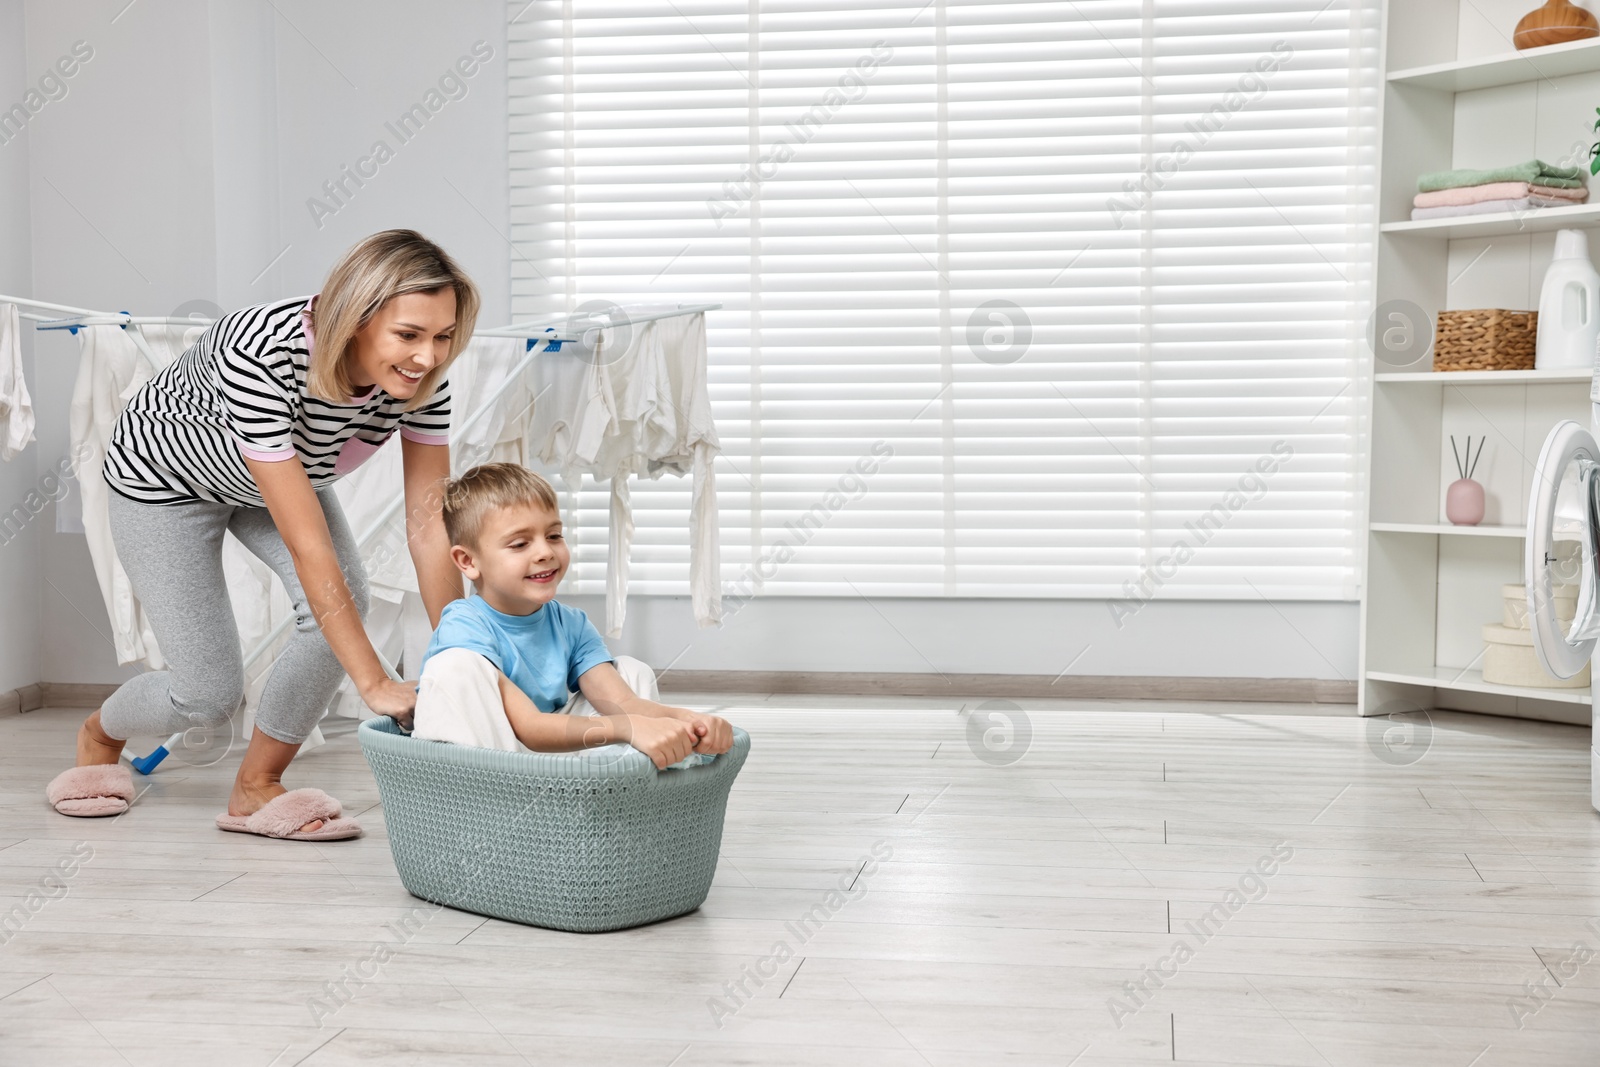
x=580 y=842
x=1485 y=339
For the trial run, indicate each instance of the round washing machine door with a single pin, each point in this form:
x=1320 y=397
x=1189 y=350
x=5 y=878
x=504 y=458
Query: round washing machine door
x=1562 y=548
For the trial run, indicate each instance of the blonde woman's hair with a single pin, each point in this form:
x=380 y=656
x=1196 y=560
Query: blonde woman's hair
x=380 y=268
x=471 y=498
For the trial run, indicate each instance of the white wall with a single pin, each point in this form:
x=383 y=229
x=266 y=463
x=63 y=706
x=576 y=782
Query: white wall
x=20 y=642
x=178 y=169
x=121 y=209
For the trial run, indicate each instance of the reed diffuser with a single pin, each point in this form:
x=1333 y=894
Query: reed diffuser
x=1463 y=501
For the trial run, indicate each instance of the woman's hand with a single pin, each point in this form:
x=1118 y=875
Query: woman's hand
x=398 y=700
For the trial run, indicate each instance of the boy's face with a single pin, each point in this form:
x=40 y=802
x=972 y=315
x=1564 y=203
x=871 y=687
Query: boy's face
x=520 y=560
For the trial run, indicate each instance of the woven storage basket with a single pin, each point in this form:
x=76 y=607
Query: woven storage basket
x=580 y=842
x=1485 y=339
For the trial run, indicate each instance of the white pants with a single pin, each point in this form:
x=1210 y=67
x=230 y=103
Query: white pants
x=458 y=700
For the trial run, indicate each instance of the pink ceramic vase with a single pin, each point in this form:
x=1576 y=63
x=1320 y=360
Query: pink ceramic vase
x=1463 y=502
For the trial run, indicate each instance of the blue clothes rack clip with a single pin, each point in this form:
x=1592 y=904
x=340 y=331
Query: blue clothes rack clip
x=552 y=345
x=73 y=330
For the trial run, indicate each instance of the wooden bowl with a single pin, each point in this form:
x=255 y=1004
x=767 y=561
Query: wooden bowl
x=1557 y=22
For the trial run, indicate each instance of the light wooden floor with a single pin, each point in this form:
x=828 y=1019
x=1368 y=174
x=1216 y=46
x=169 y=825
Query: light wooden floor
x=1420 y=903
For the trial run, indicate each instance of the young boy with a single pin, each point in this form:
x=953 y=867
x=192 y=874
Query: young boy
x=502 y=662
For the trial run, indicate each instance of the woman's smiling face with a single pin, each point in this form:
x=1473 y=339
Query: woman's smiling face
x=409 y=336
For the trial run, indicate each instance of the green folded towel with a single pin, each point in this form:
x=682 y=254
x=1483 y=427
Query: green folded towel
x=1535 y=172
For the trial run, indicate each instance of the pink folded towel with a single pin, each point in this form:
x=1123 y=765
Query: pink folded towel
x=1577 y=196
x=1478 y=194
x=1489 y=207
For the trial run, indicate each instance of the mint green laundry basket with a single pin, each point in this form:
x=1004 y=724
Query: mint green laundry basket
x=584 y=842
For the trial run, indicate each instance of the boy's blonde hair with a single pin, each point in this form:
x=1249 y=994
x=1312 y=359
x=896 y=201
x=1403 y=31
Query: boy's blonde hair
x=469 y=499
x=385 y=265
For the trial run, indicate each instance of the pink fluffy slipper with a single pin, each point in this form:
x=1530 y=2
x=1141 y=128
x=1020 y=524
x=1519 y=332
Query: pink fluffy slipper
x=284 y=815
x=86 y=792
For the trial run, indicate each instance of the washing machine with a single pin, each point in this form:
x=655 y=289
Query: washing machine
x=1563 y=549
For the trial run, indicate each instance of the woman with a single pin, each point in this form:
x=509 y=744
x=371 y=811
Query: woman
x=247 y=431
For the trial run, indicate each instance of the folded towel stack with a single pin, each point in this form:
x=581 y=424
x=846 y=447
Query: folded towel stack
x=1524 y=187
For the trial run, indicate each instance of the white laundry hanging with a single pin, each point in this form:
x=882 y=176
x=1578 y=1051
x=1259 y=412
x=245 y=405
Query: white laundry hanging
x=110 y=369
x=693 y=451
x=16 y=406
x=638 y=404
x=499 y=436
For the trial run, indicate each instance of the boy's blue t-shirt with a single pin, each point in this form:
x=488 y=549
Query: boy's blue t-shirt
x=544 y=653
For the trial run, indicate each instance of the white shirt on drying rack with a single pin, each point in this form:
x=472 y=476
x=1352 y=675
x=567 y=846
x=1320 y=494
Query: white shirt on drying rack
x=110 y=370
x=637 y=404
x=16 y=406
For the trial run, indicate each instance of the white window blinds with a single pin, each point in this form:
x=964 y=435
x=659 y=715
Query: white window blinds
x=1021 y=299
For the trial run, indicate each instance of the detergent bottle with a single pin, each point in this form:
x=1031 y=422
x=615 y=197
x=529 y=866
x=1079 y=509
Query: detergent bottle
x=1569 y=307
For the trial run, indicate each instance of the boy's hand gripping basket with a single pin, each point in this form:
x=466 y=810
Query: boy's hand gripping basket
x=572 y=841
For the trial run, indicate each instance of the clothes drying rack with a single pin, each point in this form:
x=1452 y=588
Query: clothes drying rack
x=546 y=335
x=84 y=317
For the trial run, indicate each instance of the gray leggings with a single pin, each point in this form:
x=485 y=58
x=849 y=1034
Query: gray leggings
x=173 y=556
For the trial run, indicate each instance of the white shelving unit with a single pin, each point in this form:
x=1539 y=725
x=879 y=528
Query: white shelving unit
x=1471 y=681
x=1436 y=529
x=1458 y=95
x=1502 y=67
x=1498 y=224
x=1487 y=377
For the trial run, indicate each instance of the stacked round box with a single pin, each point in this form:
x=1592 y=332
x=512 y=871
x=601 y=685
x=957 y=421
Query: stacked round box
x=1508 y=655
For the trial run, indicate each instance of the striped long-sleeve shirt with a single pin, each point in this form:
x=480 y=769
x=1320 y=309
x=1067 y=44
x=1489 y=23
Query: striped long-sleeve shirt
x=240 y=390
